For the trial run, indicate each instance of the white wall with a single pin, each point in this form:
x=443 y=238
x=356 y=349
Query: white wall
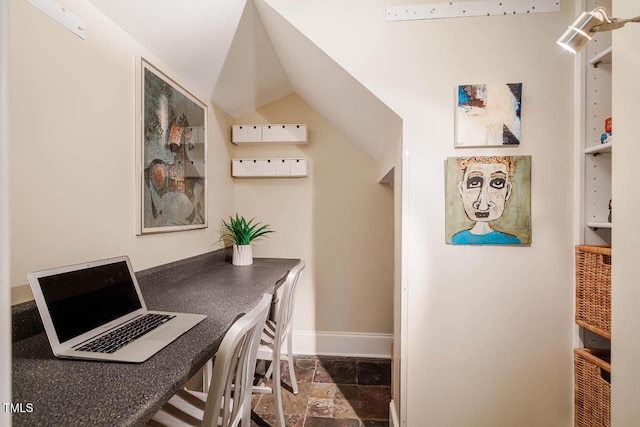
x=339 y=219
x=73 y=147
x=625 y=236
x=5 y=297
x=489 y=329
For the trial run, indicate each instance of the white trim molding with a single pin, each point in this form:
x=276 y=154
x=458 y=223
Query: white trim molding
x=393 y=415
x=5 y=294
x=349 y=344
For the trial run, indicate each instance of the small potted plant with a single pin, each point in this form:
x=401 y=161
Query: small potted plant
x=242 y=232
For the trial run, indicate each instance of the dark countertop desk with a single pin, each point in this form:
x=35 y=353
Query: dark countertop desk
x=85 y=393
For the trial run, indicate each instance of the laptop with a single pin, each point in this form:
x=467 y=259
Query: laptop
x=95 y=311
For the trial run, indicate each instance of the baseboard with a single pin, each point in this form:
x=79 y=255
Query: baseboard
x=349 y=344
x=393 y=415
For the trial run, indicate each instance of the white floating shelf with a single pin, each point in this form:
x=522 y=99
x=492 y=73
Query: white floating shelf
x=269 y=133
x=599 y=225
x=598 y=149
x=269 y=168
x=604 y=57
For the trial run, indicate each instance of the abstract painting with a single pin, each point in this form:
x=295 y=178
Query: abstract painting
x=173 y=154
x=488 y=115
x=488 y=200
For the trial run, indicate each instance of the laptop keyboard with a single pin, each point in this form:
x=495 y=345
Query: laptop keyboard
x=115 y=340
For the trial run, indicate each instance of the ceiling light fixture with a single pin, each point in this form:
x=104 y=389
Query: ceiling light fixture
x=586 y=25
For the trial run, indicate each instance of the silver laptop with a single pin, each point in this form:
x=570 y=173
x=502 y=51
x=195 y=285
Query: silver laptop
x=95 y=311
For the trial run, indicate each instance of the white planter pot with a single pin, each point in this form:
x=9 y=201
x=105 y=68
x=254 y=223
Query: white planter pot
x=242 y=255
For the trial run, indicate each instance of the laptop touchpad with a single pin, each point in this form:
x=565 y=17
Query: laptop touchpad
x=165 y=334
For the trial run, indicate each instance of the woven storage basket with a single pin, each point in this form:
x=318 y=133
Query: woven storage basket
x=592 y=388
x=593 y=288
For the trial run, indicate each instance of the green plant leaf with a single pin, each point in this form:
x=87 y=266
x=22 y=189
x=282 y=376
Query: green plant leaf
x=243 y=232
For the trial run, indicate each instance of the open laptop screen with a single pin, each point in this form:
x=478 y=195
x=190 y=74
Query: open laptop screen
x=84 y=299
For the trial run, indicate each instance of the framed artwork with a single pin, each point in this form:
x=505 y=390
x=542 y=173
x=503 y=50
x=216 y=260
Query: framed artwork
x=488 y=200
x=171 y=154
x=488 y=115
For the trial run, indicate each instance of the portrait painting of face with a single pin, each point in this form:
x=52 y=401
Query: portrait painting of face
x=488 y=200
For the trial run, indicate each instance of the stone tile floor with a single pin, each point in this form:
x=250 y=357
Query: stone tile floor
x=332 y=392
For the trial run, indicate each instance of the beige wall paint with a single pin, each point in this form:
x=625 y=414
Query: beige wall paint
x=488 y=329
x=5 y=319
x=389 y=158
x=338 y=218
x=625 y=234
x=73 y=146
x=398 y=270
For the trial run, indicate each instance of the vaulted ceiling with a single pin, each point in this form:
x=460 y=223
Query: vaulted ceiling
x=245 y=55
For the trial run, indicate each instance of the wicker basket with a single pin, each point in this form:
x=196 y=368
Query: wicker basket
x=592 y=388
x=593 y=289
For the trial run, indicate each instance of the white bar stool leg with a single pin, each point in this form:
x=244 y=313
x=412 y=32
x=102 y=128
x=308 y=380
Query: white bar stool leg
x=292 y=373
x=277 y=393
